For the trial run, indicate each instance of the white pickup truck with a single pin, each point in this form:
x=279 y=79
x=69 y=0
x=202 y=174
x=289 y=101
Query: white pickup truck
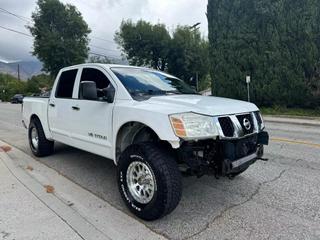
x=151 y=124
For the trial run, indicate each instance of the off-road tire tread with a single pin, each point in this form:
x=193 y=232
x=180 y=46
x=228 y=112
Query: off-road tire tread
x=167 y=166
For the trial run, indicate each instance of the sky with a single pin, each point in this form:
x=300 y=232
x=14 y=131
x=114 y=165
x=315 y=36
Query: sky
x=103 y=17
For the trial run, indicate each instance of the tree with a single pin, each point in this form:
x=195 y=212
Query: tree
x=144 y=43
x=60 y=35
x=9 y=86
x=99 y=59
x=38 y=82
x=273 y=41
x=184 y=54
x=188 y=56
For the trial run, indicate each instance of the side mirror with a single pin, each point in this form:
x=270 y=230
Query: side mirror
x=88 y=90
x=109 y=93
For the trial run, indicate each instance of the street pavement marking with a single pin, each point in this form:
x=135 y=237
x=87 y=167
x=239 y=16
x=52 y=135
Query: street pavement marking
x=296 y=142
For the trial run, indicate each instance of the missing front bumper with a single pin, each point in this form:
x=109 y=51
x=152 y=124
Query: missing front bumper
x=223 y=157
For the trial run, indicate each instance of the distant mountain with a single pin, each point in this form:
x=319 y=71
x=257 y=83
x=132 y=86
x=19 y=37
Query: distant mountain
x=27 y=69
x=31 y=68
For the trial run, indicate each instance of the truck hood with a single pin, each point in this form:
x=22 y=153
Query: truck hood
x=206 y=105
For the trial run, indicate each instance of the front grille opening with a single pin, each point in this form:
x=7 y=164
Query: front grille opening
x=243 y=120
x=226 y=126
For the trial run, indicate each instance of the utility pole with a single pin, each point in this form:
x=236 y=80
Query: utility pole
x=18 y=71
x=197 y=81
x=194 y=28
x=248 y=79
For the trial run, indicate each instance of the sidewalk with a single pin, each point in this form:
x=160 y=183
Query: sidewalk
x=23 y=215
x=293 y=120
x=67 y=211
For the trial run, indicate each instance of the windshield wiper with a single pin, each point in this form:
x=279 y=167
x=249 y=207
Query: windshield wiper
x=151 y=93
x=163 y=92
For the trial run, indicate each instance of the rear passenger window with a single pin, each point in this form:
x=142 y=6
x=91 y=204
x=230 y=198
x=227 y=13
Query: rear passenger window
x=66 y=83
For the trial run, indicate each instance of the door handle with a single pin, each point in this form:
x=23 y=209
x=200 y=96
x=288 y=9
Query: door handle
x=75 y=108
x=52 y=105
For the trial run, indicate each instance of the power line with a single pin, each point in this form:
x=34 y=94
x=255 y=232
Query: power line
x=102 y=55
x=29 y=20
x=26 y=19
x=102 y=39
x=90 y=45
x=102 y=48
x=16 y=31
x=15 y=15
x=25 y=34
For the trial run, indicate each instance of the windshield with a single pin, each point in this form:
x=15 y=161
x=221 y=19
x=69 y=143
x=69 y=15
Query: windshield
x=144 y=83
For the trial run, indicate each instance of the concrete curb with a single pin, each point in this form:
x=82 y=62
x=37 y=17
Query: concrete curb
x=89 y=216
x=304 y=122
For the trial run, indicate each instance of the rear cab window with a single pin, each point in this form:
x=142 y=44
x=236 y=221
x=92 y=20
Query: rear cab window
x=66 y=83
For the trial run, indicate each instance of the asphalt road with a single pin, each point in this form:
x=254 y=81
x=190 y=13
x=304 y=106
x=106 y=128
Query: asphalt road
x=278 y=199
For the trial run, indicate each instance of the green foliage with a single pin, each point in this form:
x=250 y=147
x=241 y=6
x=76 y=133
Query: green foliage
x=99 y=59
x=275 y=42
x=10 y=85
x=36 y=83
x=60 y=35
x=290 y=112
x=184 y=54
x=205 y=82
x=188 y=55
x=144 y=43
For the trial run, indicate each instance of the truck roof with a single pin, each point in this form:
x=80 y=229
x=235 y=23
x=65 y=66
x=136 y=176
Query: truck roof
x=99 y=64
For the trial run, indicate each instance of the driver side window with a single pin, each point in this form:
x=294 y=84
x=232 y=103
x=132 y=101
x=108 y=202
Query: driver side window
x=100 y=79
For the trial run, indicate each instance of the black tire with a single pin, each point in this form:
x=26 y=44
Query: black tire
x=167 y=177
x=45 y=147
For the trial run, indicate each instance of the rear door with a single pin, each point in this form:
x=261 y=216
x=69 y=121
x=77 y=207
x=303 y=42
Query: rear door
x=60 y=106
x=92 y=119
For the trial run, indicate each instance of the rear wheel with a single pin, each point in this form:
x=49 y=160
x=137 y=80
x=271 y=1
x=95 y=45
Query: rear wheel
x=39 y=144
x=149 y=181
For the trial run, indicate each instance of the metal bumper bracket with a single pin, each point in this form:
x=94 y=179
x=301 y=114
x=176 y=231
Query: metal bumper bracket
x=244 y=160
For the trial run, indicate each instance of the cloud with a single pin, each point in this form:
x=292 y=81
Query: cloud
x=103 y=17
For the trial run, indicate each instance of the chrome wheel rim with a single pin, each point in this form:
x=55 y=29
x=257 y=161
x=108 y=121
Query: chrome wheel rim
x=34 y=138
x=141 y=182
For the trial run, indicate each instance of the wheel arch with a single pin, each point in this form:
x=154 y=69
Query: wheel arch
x=33 y=117
x=45 y=128
x=134 y=132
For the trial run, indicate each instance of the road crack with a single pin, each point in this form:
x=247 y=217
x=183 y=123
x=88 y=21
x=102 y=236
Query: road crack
x=232 y=206
x=5 y=234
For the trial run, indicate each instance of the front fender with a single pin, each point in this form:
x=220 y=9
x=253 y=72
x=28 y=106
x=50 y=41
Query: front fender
x=158 y=122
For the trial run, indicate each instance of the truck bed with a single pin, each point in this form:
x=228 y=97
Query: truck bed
x=36 y=106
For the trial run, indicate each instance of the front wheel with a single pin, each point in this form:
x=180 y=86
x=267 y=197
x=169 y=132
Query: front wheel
x=149 y=181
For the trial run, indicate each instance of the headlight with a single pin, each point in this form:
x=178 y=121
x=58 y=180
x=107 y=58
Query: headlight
x=193 y=126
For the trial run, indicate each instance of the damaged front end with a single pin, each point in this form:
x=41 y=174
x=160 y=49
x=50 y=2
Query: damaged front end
x=229 y=154
x=222 y=157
